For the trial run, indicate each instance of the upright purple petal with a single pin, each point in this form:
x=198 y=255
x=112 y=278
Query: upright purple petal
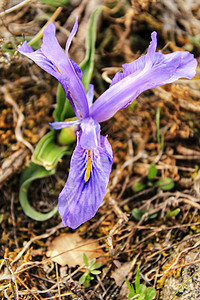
x=149 y=71
x=90 y=134
x=141 y=64
x=86 y=184
x=72 y=34
x=52 y=59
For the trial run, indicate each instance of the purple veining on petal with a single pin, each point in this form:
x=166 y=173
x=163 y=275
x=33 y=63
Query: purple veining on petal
x=79 y=200
x=90 y=134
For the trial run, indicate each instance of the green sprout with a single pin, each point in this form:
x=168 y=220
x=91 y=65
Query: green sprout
x=91 y=268
x=164 y=184
x=140 y=292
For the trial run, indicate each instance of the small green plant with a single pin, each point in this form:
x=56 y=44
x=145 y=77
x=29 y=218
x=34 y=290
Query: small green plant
x=173 y=213
x=164 y=184
x=138 y=213
x=91 y=268
x=140 y=292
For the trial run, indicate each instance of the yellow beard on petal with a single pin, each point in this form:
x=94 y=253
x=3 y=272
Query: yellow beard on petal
x=88 y=167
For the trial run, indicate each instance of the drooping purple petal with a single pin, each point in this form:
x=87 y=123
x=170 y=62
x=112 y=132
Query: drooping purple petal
x=52 y=59
x=141 y=75
x=60 y=125
x=86 y=184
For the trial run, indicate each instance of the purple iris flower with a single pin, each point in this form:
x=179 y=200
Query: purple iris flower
x=91 y=161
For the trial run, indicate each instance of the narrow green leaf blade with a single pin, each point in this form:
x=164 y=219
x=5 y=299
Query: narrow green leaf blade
x=130 y=286
x=87 y=65
x=92 y=262
x=63 y=109
x=85 y=260
x=30 y=174
x=137 y=281
x=97 y=265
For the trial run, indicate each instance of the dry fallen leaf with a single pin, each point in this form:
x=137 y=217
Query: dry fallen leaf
x=121 y=272
x=68 y=249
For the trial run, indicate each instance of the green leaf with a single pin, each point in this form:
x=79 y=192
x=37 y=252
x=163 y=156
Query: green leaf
x=92 y=262
x=173 y=213
x=82 y=278
x=47 y=153
x=85 y=260
x=138 y=187
x=87 y=65
x=165 y=184
x=63 y=109
x=153 y=216
x=142 y=288
x=137 y=213
x=130 y=286
x=95 y=272
x=150 y=293
x=31 y=173
x=55 y=3
x=97 y=265
x=137 y=281
x=152 y=172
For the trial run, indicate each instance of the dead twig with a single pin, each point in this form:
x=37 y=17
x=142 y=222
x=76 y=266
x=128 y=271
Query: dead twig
x=12 y=164
x=15 y=7
x=13 y=282
x=18 y=132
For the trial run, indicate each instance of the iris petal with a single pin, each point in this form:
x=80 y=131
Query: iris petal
x=60 y=125
x=81 y=196
x=90 y=134
x=53 y=60
x=90 y=94
x=152 y=70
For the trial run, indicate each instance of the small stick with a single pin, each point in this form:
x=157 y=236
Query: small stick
x=13 y=282
x=13 y=8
